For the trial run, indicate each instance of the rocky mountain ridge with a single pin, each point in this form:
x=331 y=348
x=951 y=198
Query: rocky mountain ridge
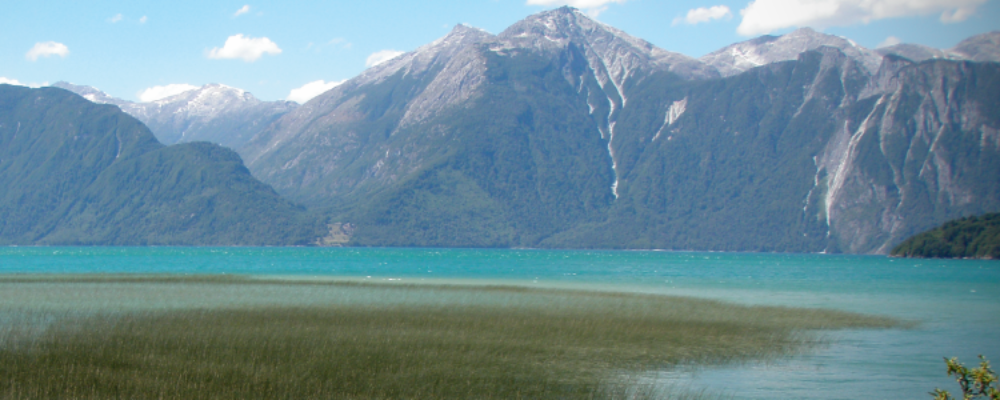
x=564 y=132
x=981 y=48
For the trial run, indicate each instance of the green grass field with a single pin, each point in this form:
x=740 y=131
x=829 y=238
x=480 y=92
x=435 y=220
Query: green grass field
x=235 y=338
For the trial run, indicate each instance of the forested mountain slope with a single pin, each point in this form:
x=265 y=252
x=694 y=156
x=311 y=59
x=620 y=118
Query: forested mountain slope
x=75 y=172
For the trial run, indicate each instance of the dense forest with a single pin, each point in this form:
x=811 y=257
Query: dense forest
x=970 y=237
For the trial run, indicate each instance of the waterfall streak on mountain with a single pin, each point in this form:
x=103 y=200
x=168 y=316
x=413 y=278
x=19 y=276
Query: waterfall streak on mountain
x=674 y=112
x=805 y=204
x=843 y=168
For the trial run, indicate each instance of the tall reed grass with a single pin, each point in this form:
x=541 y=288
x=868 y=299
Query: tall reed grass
x=485 y=343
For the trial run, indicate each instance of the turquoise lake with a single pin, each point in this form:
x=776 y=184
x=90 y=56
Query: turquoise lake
x=955 y=303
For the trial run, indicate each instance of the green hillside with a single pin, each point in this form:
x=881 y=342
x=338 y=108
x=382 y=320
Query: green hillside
x=78 y=173
x=971 y=237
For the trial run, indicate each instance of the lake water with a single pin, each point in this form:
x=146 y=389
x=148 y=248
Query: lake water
x=956 y=303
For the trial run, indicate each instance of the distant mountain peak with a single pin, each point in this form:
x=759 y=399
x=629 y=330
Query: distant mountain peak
x=981 y=48
x=917 y=52
x=739 y=57
x=212 y=94
x=984 y=47
x=215 y=112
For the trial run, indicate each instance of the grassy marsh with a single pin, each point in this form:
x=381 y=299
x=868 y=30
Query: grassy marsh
x=251 y=338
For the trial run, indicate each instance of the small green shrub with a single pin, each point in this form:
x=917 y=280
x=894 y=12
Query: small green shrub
x=976 y=383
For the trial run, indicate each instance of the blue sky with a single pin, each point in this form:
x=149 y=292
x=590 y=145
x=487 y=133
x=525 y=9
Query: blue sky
x=271 y=48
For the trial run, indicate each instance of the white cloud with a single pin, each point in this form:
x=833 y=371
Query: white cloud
x=573 y=3
x=957 y=15
x=246 y=48
x=312 y=89
x=11 y=81
x=596 y=12
x=46 y=49
x=16 y=82
x=161 y=92
x=143 y=19
x=382 y=56
x=116 y=18
x=703 y=14
x=766 y=16
x=889 y=41
x=243 y=10
x=593 y=8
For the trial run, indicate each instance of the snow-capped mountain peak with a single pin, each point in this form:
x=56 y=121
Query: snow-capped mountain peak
x=208 y=100
x=739 y=57
x=566 y=25
x=214 y=112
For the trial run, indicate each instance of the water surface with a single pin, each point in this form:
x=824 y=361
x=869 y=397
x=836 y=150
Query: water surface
x=955 y=302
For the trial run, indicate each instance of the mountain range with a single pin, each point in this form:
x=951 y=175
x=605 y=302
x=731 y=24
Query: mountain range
x=565 y=132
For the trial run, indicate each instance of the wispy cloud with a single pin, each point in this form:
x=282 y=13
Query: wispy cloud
x=381 y=56
x=47 y=49
x=573 y=3
x=340 y=42
x=245 y=48
x=766 y=16
x=957 y=15
x=889 y=41
x=161 y=92
x=243 y=10
x=143 y=19
x=312 y=89
x=704 y=14
x=116 y=18
x=593 y=8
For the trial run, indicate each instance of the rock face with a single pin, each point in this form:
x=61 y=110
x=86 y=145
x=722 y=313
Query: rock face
x=213 y=113
x=80 y=173
x=922 y=152
x=565 y=132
